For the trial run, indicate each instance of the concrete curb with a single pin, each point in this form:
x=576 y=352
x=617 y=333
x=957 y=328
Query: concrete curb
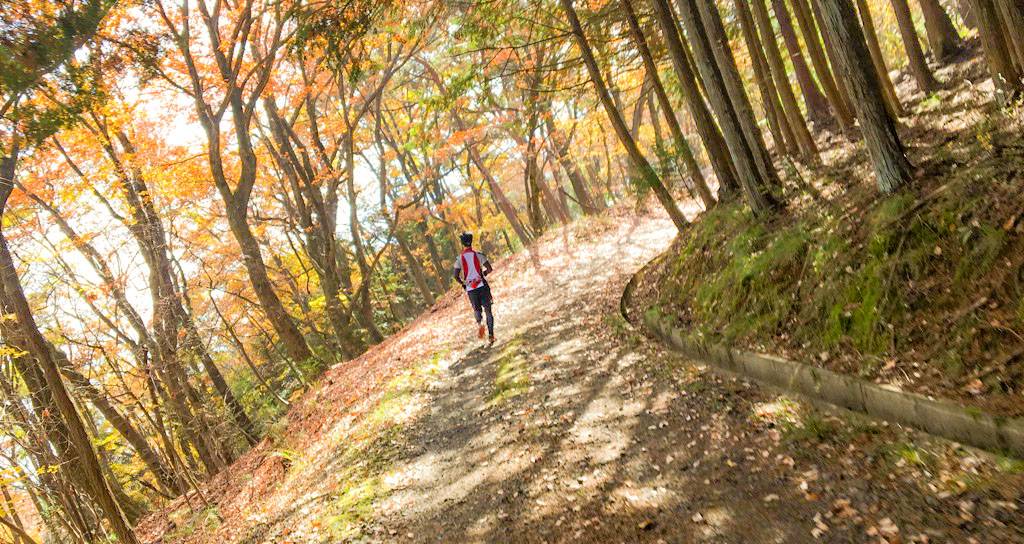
x=938 y=417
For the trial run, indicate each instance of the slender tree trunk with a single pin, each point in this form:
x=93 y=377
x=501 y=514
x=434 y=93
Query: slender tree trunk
x=252 y=257
x=755 y=171
x=16 y=526
x=926 y=82
x=37 y=345
x=682 y=147
x=790 y=108
x=816 y=103
x=164 y=476
x=892 y=169
x=559 y=147
x=722 y=51
x=714 y=143
x=892 y=100
x=840 y=107
x=500 y=200
x=782 y=133
x=942 y=37
x=639 y=161
x=240 y=347
x=830 y=52
x=1005 y=76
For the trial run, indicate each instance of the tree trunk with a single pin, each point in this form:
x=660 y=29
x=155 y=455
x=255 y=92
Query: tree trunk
x=892 y=169
x=926 y=82
x=942 y=37
x=816 y=103
x=16 y=526
x=1005 y=76
x=757 y=175
x=92 y=472
x=682 y=147
x=164 y=476
x=805 y=20
x=252 y=257
x=560 y=148
x=1013 y=15
x=892 y=100
x=782 y=133
x=714 y=143
x=639 y=161
x=790 y=108
x=967 y=14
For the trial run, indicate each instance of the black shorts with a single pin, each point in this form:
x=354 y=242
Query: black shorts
x=480 y=297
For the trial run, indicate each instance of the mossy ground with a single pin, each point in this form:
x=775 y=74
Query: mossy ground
x=922 y=288
x=513 y=374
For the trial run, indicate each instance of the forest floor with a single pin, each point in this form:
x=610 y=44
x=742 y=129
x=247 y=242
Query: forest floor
x=921 y=290
x=574 y=428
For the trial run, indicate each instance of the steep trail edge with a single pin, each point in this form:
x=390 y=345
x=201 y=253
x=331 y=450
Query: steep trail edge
x=572 y=428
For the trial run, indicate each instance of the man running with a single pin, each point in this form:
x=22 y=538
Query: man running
x=471 y=270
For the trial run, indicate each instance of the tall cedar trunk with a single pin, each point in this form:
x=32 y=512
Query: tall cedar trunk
x=967 y=14
x=805 y=20
x=720 y=47
x=892 y=169
x=782 y=132
x=714 y=142
x=755 y=171
x=1013 y=15
x=682 y=147
x=37 y=345
x=892 y=100
x=830 y=52
x=942 y=37
x=1005 y=75
x=816 y=103
x=638 y=107
x=778 y=71
x=639 y=161
x=918 y=67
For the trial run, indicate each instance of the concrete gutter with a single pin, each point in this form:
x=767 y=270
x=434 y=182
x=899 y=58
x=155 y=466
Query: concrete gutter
x=938 y=417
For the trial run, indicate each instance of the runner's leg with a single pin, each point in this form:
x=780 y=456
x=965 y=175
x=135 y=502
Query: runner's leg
x=486 y=303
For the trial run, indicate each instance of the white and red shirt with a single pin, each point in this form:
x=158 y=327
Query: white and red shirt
x=470 y=268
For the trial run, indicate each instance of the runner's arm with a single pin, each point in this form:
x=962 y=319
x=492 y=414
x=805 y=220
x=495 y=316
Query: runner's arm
x=457 y=276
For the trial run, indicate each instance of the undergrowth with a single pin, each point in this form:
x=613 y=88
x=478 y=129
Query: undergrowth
x=371 y=450
x=931 y=276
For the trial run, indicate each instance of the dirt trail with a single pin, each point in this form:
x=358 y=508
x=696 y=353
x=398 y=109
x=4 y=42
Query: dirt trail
x=572 y=428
